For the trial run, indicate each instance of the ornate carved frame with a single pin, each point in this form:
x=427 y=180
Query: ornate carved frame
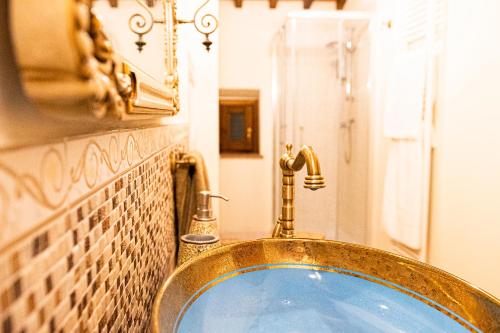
x=68 y=64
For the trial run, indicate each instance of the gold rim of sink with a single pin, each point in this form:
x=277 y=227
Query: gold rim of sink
x=473 y=305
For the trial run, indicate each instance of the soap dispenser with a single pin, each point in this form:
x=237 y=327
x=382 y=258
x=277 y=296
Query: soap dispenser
x=204 y=222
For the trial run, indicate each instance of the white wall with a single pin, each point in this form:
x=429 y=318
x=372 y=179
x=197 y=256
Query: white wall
x=245 y=63
x=198 y=72
x=465 y=219
x=465 y=191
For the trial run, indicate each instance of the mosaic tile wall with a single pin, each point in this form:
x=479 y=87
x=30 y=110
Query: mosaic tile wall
x=96 y=264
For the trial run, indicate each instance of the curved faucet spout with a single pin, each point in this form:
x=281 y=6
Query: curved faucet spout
x=307 y=156
x=314 y=180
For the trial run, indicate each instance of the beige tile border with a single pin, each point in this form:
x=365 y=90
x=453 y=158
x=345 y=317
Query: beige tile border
x=38 y=184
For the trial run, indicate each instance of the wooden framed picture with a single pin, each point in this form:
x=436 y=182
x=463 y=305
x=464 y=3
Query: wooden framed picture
x=239 y=121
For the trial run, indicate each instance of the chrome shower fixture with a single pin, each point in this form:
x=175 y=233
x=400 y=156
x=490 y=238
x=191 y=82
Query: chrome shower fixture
x=332 y=44
x=349 y=46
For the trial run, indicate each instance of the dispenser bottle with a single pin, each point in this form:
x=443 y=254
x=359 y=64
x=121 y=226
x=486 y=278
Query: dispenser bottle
x=204 y=222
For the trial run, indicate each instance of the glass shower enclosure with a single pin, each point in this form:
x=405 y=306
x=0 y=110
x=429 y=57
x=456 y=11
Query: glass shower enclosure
x=321 y=98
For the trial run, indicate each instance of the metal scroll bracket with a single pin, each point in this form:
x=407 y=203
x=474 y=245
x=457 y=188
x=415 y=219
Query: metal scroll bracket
x=141 y=24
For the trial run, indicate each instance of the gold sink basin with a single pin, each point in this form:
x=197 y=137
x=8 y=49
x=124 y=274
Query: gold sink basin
x=302 y=285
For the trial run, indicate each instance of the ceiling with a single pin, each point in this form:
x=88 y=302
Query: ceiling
x=239 y=3
x=307 y=3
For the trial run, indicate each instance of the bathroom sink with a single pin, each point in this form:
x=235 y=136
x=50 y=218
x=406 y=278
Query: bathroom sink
x=300 y=285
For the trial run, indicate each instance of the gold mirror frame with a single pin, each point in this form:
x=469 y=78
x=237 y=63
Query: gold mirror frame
x=68 y=65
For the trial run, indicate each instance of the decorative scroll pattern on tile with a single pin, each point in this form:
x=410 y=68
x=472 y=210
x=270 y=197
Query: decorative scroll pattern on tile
x=97 y=266
x=36 y=182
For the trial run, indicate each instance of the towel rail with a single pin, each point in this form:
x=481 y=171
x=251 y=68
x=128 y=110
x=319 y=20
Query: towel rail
x=179 y=158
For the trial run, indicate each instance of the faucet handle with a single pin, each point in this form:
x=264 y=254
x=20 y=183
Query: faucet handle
x=289 y=148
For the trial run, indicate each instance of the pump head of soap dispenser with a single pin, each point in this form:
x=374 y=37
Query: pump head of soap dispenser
x=204 y=209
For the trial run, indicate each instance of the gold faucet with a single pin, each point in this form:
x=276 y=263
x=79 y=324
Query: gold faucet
x=284 y=227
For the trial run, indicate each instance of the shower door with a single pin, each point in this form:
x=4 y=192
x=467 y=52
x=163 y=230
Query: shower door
x=352 y=176
x=309 y=98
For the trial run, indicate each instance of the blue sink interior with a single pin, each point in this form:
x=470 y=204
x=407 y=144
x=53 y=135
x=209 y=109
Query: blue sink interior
x=305 y=298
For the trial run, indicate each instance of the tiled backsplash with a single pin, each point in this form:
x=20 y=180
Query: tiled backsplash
x=95 y=263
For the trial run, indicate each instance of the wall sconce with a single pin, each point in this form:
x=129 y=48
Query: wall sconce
x=142 y=25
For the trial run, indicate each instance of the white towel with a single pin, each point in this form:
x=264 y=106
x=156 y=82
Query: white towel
x=403 y=192
x=402 y=212
x=405 y=96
